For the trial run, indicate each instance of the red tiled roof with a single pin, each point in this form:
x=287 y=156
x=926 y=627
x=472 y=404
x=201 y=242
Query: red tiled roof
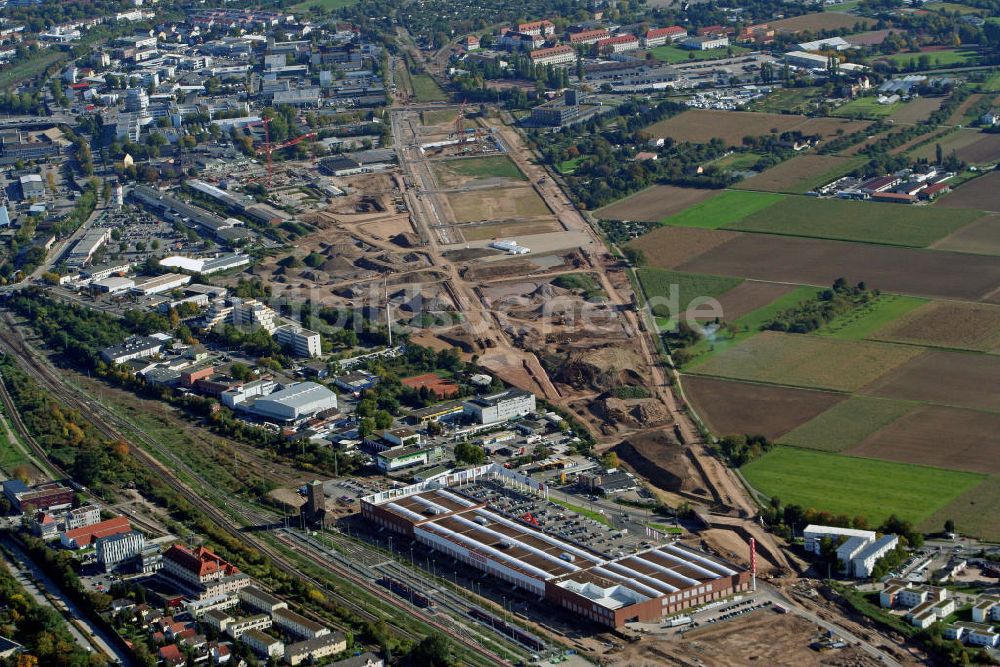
x=170 y=652
x=551 y=51
x=201 y=561
x=660 y=32
x=620 y=39
x=84 y=536
x=587 y=34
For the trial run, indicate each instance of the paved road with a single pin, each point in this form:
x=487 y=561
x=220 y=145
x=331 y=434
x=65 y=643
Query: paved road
x=95 y=635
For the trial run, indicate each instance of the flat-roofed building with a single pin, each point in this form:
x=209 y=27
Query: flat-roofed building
x=504 y=405
x=237 y=627
x=611 y=591
x=302 y=341
x=294 y=402
x=814 y=534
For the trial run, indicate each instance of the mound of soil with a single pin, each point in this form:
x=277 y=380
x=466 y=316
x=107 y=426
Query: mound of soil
x=636 y=413
x=600 y=369
x=656 y=456
x=406 y=240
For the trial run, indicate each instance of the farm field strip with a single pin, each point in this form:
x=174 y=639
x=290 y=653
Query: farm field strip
x=867 y=222
x=947 y=324
x=862 y=322
x=654 y=203
x=856 y=486
x=660 y=284
x=800 y=174
x=729 y=407
x=727 y=207
x=846 y=424
x=815 y=362
x=703 y=125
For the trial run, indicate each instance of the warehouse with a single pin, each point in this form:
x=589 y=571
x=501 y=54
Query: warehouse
x=164 y=283
x=640 y=587
x=294 y=402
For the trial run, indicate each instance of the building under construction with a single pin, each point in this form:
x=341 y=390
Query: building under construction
x=612 y=591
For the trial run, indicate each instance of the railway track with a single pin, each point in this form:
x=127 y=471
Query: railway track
x=115 y=427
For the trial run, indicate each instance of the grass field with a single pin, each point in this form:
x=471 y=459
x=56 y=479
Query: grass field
x=467 y=170
x=10 y=456
x=660 y=284
x=944 y=58
x=322 y=5
x=675 y=54
x=569 y=166
x=866 y=107
x=37 y=63
x=728 y=207
x=582 y=511
x=950 y=7
x=789 y=100
x=865 y=321
x=855 y=486
x=438 y=117
x=736 y=161
x=846 y=424
x=496 y=204
x=813 y=362
x=425 y=89
x=868 y=222
x=967 y=512
x=991 y=84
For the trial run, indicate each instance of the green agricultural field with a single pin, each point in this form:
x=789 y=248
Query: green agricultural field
x=967 y=512
x=729 y=206
x=425 y=89
x=846 y=424
x=748 y=325
x=950 y=7
x=659 y=284
x=866 y=107
x=867 y=222
x=675 y=54
x=866 y=320
x=789 y=100
x=855 y=486
x=934 y=59
x=814 y=362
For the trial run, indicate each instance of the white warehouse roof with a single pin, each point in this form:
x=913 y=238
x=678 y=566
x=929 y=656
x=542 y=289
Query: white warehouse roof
x=295 y=401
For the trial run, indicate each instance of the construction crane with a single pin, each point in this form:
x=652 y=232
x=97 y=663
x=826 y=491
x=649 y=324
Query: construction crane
x=291 y=142
x=460 y=123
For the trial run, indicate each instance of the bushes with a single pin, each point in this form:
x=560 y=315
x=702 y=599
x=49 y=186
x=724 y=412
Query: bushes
x=829 y=304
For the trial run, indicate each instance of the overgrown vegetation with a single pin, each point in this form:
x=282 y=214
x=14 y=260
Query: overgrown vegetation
x=829 y=304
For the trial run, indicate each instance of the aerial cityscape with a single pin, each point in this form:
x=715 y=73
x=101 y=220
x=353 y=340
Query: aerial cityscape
x=365 y=333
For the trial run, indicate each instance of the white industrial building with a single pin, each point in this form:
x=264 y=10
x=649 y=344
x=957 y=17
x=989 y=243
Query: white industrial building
x=304 y=343
x=113 y=285
x=500 y=407
x=159 y=284
x=806 y=60
x=510 y=247
x=295 y=402
x=133 y=348
x=706 y=43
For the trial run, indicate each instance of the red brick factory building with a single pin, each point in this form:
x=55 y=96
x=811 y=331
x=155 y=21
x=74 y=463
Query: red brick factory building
x=641 y=587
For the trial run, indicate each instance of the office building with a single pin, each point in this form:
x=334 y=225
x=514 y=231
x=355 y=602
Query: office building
x=119 y=550
x=499 y=407
x=302 y=342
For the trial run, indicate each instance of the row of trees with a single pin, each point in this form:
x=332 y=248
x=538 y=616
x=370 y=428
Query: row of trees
x=829 y=304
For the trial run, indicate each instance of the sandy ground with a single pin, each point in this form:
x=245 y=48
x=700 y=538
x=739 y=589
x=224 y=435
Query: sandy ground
x=763 y=638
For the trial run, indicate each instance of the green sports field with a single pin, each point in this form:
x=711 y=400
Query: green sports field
x=726 y=208
x=675 y=54
x=874 y=315
x=855 y=486
x=847 y=423
x=935 y=59
x=867 y=222
x=322 y=5
x=477 y=168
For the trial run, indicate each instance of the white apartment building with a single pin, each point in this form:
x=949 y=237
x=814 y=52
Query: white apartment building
x=86 y=515
x=117 y=549
x=236 y=628
x=298 y=625
x=263 y=644
x=304 y=343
